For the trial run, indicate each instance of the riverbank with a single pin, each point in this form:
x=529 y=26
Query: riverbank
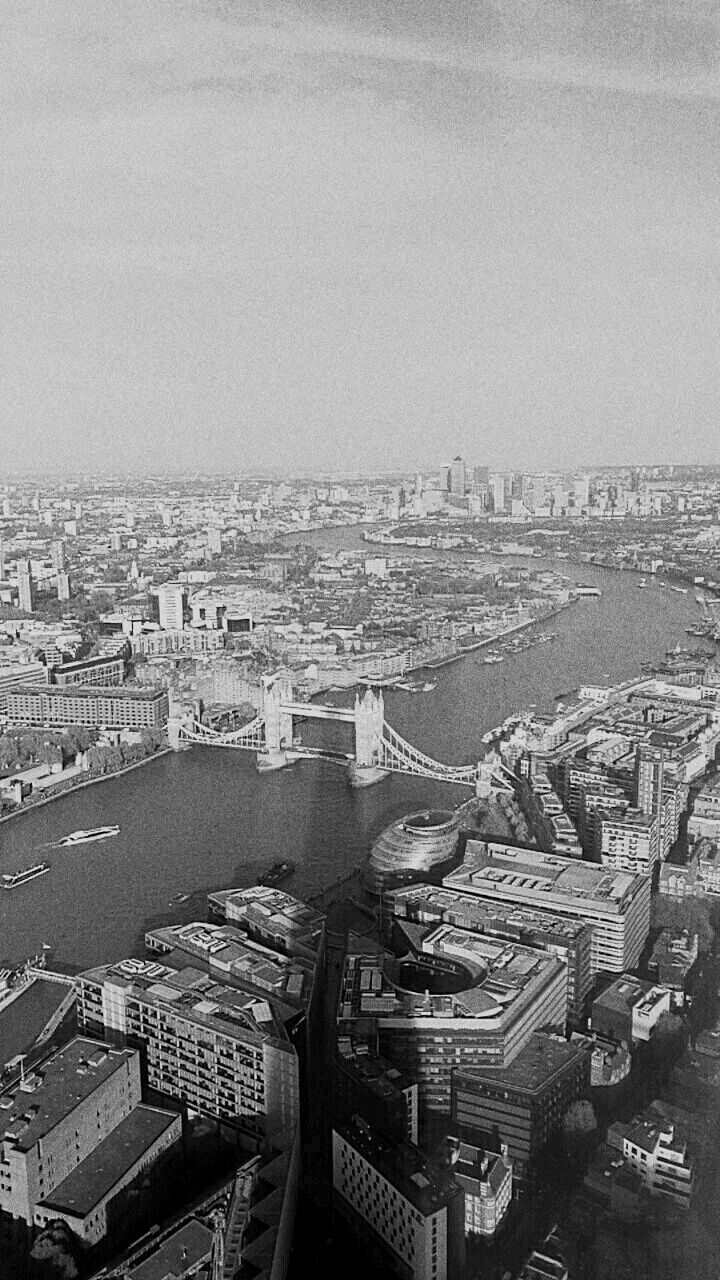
x=31 y=805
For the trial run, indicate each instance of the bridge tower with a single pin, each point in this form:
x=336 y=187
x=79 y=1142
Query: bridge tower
x=369 y=724
x=277 y=689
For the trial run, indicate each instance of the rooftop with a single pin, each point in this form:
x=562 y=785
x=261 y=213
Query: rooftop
x=270 y=911
x=501 y=871
x=186 y=1248
x=244 y=962
x=95 y=1177
x=427 y=1187
x=50 y=1093
x=85 y=691
x=430 y=902
x=536 y=1065
x=192 y=994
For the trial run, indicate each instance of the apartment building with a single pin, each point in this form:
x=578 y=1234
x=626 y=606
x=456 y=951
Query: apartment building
x=102 y=671
x=628 y=841
x=17 y=675
x=222 y=1052
x=56 y=707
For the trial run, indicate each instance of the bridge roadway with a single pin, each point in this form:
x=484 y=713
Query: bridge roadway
x=315 y=711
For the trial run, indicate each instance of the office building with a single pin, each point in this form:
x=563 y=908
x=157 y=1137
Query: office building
x=26 y=587
x=431 y=905
x=521 y=1105
x=93 y=708
x=543 y=1265
x=497 y=485
x=456 y=478
x=630 y=1009
x=223 y=1052
x=465 y=999
x=171 y=600
x=616 y=904
x=371 y=1087
x=486 y=1181
x=75 y=1135
x=413 y=1209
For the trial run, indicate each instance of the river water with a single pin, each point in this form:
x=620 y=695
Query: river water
x=205 y=819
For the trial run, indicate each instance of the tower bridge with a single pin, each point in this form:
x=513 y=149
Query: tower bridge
x=378 y=748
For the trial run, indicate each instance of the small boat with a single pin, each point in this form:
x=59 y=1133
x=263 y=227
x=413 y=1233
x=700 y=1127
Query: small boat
x=22 y=877
x=87 y=837
x=278 y=872
x=642 y=583
x=429 y=686
x=179 y=897
x=493 y=657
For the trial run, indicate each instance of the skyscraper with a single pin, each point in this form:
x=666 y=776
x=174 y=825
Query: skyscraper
x=170 y=598
x=457 y=476
x=57 y=551
x=63 y=586
x=26 y=594
x=498 y=493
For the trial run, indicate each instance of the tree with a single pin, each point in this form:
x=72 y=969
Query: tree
x=579 y=1130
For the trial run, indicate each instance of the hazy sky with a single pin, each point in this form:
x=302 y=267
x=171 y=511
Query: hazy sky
x=359 y=232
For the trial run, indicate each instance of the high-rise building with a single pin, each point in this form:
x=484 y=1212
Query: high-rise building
x=497 y=484
x=521 y=1105
x=26 y=593
x=2 y=560
x=57 y=552
x=414 y=1210
x=457 y=476
x=171 y=598
x=616 y=904
x=63 y=586
x=627 y=841
x=649 y=777
x=222 y=1051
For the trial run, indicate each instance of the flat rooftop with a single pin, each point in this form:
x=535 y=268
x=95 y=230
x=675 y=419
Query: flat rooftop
x=271 y=911
x=535 y=1066
x=501 y=871
x=425 y=1185
x=83 y=692
x=491 y=981
x=429 y=902
x=188 y=1247
x=96 y=1176
x=628 y=993
x=247 y=963
x=189 y=993
x=54 y=1089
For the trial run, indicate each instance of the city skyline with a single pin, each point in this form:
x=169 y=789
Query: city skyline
x=240 y=235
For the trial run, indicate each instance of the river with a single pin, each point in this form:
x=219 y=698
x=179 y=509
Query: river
x=205 y=819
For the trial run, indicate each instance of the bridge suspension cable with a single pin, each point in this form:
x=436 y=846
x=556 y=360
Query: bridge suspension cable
x=400 y=756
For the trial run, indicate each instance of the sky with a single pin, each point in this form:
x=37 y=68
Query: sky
x=358 y=234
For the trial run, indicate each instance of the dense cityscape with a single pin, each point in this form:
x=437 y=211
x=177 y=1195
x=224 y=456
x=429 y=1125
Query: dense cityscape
x=480 y=1040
